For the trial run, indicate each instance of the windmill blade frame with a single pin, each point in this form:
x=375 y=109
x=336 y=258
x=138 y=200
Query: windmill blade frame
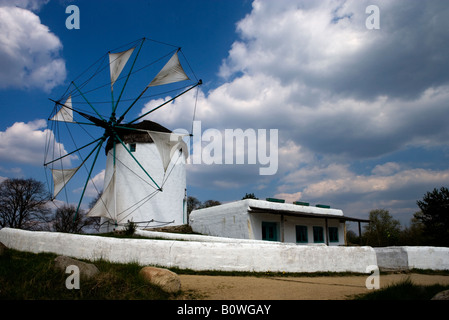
x=81 y=95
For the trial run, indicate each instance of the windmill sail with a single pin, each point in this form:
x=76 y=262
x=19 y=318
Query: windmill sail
x=171 y=72
x=105 y=206
x=117 y=62
x=61 y=177
x=167 y=144
x=65 y=114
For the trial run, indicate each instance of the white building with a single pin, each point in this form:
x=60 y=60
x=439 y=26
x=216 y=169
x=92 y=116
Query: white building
x=273 y=220
x=144 y=182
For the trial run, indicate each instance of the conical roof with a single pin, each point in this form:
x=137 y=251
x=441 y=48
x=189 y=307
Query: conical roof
x=133 y=135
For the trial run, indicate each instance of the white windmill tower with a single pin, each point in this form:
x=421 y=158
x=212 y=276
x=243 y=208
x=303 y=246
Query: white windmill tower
x=145 y=177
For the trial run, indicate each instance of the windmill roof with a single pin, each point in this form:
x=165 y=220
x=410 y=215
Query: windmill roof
x=133 y=133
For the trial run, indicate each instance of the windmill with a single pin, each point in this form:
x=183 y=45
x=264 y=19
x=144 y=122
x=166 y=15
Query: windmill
x=144 y=177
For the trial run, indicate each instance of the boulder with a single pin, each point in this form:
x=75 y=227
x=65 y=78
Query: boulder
x=3 y=249
x=443 y=295
x=87 y=270
x=165 y=279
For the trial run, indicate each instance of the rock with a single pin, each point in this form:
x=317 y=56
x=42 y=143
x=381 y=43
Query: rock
x=3 y=249
x=165 y=279
x=87 y=270
x=443 y=295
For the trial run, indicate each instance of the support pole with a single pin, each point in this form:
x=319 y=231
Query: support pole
x=326 y=232
x=282 y=228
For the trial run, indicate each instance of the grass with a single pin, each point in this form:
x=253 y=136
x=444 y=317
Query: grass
x=404 y=290
x=28 y=276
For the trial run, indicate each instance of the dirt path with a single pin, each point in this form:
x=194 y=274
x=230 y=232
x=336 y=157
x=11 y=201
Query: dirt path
x=290 y=288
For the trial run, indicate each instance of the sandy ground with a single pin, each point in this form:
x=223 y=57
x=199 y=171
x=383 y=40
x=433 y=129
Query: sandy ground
x=290 y=288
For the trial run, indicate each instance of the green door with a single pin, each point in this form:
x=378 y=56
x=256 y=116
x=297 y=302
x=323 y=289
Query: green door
x=270 y=231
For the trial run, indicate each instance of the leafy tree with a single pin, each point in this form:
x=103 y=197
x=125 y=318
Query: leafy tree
x=413 y=235
x=23 y=204
x=382 y=230
x=66 y=220
x=250 y=196
x=434 y=216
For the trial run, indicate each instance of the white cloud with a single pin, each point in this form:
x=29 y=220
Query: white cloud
x=25 y=4
x=387 y=182
x=25 y=143
x=29 y=52
x=94 y=186
x=341 y=96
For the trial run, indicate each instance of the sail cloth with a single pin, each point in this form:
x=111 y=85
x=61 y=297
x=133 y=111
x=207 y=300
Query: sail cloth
x=61 y=177
x=65 y=114
x=167 y=144
x=117 y=62
x=171 y=72
x=106 y=206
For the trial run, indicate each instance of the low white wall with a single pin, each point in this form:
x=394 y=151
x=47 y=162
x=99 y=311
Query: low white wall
x=435 y=258
x=404 y=258
x=196 y=237
x=236 y=256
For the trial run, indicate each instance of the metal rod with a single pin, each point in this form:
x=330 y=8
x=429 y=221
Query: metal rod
x=147 y=113
x=130 y=153
x=88 y=102
x=45 y=164
x=90 y=173
x=127 y=78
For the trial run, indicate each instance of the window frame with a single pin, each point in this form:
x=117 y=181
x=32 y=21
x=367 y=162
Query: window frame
x=334 y=233
x=316 y=234
x=302 y=230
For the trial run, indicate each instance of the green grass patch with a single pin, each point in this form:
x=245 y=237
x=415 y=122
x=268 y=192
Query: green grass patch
x=404 y=290
x=32 y=277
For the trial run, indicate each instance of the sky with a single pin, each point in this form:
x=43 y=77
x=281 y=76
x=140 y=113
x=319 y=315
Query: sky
x=360 y=112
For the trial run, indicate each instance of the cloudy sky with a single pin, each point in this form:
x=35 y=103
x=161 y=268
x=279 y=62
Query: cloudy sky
x=361 y=113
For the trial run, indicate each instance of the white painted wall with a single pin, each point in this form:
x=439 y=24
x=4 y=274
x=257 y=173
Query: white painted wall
x=434 y=258
x=134 y=186
x=197 y=255
x=233 y=220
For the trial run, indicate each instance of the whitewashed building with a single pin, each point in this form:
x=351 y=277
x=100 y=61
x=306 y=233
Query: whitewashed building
x=274 y=220
x=145 y=182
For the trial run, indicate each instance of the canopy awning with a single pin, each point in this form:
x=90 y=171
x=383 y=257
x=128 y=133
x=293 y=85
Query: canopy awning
x=304 y=214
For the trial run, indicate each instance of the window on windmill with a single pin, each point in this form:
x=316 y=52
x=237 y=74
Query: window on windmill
x=132 y=147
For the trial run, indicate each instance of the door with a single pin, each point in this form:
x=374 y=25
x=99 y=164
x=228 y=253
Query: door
x=270 y=231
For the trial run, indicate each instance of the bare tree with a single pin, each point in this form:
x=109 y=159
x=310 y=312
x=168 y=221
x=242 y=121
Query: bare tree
x=66 y=220
x=23 y=204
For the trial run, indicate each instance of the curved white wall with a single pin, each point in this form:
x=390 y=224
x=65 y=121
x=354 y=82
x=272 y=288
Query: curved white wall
x=134 y=187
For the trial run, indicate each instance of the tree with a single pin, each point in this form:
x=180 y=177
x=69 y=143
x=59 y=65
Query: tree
x=66 y=220
x=210 y=203
x=434 y=216
x=23 y=204
x=413 y=235
x=192 y=204
x=382 y=230
x=250 y=196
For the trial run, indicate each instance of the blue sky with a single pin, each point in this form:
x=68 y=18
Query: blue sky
x=361 y=114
